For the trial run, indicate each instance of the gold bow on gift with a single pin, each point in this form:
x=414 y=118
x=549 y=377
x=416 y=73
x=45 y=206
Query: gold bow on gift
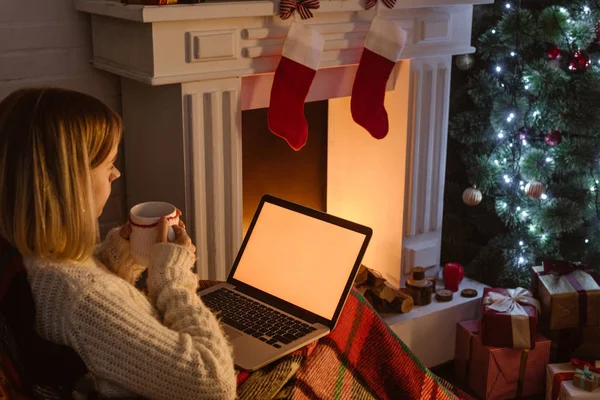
x=287 y=8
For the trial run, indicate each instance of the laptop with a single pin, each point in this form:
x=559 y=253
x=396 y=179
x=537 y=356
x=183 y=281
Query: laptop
x=289 y=281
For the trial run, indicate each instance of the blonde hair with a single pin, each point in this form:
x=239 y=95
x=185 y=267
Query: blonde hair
x=50 y=140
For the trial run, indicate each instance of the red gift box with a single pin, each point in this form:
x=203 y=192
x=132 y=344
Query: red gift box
x=510 y=318
x=500 y=373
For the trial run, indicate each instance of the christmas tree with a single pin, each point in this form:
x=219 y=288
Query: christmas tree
x=523 y=175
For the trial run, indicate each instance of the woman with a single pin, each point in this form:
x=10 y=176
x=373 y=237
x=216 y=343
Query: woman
x=71 y=303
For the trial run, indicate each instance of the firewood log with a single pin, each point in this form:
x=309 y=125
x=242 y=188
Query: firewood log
x=375 y=278
x=361 y=276
x=393 y=298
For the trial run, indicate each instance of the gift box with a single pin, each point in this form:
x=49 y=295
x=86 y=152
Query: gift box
x=568 y=391
x=569 y=293
x=465 y=331
x=557 y=374
x=509 y=318
x=582 y=343
x=586 y=379
x=499 y=373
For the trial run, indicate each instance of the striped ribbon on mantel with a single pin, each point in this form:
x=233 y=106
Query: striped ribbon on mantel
x=388 y=3
x=287 y=8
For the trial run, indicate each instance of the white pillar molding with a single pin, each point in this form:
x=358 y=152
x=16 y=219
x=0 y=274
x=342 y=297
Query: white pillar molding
x=426 y=162
x=190 y=154
x=212 y=125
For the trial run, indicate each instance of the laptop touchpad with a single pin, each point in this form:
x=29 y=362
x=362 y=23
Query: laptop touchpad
x=231 y=333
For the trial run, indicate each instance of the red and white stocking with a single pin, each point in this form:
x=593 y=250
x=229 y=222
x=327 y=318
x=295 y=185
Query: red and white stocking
x=383 y=46
x=293 y=77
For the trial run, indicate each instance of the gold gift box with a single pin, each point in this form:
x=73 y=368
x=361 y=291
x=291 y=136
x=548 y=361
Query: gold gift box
x=561 y=301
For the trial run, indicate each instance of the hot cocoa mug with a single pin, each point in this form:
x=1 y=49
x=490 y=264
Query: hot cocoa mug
x=143 y=219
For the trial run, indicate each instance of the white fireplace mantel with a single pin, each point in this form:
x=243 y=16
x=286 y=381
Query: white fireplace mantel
x=188 y=71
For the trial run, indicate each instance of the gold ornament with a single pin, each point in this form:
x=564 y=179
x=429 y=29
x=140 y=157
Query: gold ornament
x=472 y=196
x=535 y=190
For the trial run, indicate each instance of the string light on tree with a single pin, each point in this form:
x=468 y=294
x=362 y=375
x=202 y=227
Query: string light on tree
x=465 y=62
x=537 y=89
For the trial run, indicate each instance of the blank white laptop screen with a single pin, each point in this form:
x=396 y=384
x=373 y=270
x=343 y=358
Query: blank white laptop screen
x=300 y=259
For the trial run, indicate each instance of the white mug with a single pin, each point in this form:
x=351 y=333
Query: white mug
x=143 y=219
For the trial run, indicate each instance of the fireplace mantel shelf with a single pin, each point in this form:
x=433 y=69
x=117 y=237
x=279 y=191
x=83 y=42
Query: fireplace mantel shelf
x=161 y=45
x=235 y=9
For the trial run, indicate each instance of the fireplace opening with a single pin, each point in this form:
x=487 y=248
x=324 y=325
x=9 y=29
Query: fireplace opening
x=271 y=166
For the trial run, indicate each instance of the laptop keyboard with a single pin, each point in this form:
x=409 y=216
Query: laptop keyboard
x=255 y=319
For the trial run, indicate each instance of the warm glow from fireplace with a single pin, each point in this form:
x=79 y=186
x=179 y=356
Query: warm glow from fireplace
x=375 y=194
x=337 y=148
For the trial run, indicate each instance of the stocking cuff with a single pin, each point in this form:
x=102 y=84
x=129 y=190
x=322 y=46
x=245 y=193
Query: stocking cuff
x=386 y=38
x=303 y=45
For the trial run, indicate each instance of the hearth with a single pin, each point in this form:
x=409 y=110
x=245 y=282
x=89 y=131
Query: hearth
x=189 y=72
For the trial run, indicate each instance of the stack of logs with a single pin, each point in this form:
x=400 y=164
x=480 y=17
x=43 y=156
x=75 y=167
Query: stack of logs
x=383 y=297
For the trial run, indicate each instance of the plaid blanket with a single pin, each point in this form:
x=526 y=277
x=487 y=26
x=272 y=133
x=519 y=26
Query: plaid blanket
x=360 y=359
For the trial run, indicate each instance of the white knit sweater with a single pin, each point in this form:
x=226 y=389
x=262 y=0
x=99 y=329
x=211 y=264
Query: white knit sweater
x=167 y=347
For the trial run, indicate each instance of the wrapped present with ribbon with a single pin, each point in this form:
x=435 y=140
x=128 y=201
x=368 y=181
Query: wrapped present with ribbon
x=559 y=374
x=465 y=331
x=569 y=293
x=586 y=379
x=497 y=372
x=510 y=318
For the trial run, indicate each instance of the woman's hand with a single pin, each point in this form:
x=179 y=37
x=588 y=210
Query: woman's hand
x=125 y=231
x=181 y=236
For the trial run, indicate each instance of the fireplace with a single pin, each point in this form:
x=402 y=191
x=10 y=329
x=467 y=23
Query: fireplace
x=193 y=76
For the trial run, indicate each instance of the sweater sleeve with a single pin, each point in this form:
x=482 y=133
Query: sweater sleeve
x=114 y=252
x=185 y=357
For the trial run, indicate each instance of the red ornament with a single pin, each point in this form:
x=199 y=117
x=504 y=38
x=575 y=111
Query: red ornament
x=553 y=138
x=579 y=61
x=553 y=52
x=453 y=276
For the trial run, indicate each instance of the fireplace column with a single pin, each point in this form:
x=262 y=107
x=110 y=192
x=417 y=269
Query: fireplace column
x=195 y=128
x=426 y=162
